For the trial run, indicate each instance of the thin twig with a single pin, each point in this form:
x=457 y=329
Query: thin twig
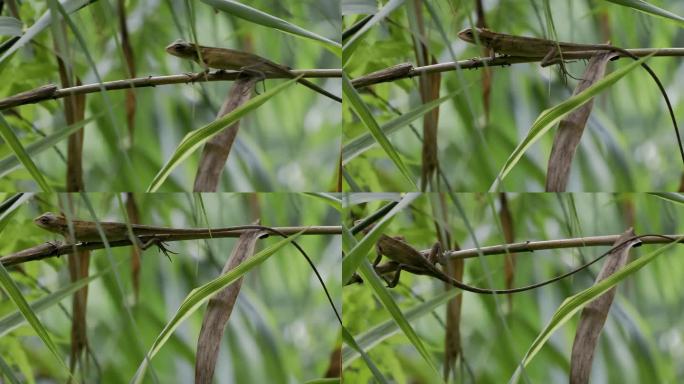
x=53 y=249
x=405 y=70
x=531 y=246
x=50 y=91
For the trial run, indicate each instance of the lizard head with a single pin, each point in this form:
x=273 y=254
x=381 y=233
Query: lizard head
x=468 y=35
x=182 y=48
x=49 y=221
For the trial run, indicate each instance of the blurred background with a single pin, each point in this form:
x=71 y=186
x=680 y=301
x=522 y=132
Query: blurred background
x=282 y=329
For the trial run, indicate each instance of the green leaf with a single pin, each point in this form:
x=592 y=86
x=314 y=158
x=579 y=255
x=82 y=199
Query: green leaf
x=349 y=339
x=258 y=17
x=364 y=142
x=645 y=7
x=8 y=163
x=9 y=26
x=386 y=329
x=548 y=118
x=574 y=303
x=44 y=21
x=15 y=295
x=670 y=196
x=363 y=113
x=194 y=139
x=353 y=42
x=202 y=294
x=19 y=151
x=11 y=321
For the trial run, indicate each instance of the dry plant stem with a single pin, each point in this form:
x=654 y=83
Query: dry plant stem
x=530 y=246
x=217 y=149
x=219 y=309
x=51 y=91
x=595 y=313
x=572 y=126
x=57 y=248
x=406 y=70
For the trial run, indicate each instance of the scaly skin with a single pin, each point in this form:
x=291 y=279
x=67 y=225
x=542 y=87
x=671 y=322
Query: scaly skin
x=231 y=59
x=86 y=231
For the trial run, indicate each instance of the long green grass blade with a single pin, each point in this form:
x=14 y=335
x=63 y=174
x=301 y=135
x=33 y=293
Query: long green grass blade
x=349 y=339
x=43 y=22
x=361 y=110
x=353 y=42
x=386 y=329
x=364 y=142
x=574 y=303
x=9 y=163
x=646 y=7
x=7 y=372
x=194 y=139
x=15 y=295
x=262 y=18
x=550 y=117
x=19 y=151
x=13 y=320
x=202 y=294
x=9 y=26
x=377 y=285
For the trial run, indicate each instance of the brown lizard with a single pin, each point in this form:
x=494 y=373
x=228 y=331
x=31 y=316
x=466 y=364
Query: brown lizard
x=404 y=257
x=231 y=59
x=548 y=51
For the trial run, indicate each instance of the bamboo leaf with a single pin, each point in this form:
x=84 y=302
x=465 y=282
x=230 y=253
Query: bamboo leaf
x=202 y=294
x=548 y=118
x=9 y=163
x=574 y=303
x=19 y=151
x=364 y=142
x=43 y=22
x=363 y=113
x=194 y=139
x=15 y=295
x=262 y=18
x=643 y=6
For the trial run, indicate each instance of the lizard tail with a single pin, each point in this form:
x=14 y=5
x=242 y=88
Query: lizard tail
x=318 y=89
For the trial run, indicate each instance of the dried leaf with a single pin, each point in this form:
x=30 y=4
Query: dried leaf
x=594 y=314
x=570 y=129
x=217 y=149
x=219 y=310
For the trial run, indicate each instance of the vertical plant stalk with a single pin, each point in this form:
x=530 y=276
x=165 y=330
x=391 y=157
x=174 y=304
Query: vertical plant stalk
x=429 y=85
x=219 y=310
x=486 y=52
x=79 y=262
x=217 y=149
x=509 y=236
x=134 y=218
x=594 y=315
x=570 y=129
x=130 y=66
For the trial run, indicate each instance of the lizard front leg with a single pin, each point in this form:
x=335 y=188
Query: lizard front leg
x=153 y=241
x=435 y=253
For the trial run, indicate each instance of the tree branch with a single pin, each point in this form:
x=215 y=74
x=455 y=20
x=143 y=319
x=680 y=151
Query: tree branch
x=53 y=249
x=407 y=70
x=531 y=246
x=51 y=91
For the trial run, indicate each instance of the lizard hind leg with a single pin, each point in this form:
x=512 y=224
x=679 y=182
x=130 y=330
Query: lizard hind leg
x=161 y=246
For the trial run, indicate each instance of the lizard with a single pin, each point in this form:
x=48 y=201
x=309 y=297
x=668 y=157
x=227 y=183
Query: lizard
x=403 y=256
x=86 y=231
x=231 y=59
x=548 y=51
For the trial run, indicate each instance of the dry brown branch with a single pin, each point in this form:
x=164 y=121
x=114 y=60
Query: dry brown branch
x=51 y=91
